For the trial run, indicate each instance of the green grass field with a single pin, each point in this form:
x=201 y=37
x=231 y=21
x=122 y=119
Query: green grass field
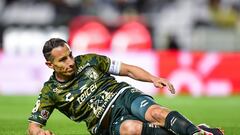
x=221 y=112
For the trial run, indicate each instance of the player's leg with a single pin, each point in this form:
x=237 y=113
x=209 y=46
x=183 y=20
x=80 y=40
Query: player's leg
x=152 y=129
x=146 y=109
x=129 y=125
x=123 y=120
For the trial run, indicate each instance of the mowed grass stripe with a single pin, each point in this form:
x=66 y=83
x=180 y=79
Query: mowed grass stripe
x=215 y=111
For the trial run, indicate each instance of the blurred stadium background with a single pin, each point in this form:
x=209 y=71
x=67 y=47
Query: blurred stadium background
x=193 y=43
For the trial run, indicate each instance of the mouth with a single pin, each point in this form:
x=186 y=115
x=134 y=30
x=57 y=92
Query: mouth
x=71 y=70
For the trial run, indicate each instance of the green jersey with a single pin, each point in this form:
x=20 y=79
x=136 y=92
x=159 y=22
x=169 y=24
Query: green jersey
x=86 y=97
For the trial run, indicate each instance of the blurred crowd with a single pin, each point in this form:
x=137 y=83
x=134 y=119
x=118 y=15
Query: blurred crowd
x=172 y=24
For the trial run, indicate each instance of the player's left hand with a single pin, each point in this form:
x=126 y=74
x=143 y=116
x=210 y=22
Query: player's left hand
x=161 y=82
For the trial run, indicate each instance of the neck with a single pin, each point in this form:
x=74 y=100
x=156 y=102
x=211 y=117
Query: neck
x=62 y=78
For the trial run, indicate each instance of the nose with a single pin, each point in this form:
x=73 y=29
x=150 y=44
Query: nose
x=70 y=62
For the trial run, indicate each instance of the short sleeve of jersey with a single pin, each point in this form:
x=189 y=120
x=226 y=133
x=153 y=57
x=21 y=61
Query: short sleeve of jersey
x=103 y=62
x=43 y=108
x=108 y=65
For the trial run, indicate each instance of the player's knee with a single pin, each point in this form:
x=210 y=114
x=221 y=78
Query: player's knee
x=131 y=127
x=159 y=113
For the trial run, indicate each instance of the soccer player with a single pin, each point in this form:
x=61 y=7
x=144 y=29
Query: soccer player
x=83 y=89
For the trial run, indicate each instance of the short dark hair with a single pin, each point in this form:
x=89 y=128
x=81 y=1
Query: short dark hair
x=51 y=44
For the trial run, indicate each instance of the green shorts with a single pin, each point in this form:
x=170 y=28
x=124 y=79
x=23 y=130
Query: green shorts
x=130 y=105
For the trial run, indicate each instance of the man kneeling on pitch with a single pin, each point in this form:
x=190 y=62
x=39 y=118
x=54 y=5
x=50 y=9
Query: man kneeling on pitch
x=84 y=89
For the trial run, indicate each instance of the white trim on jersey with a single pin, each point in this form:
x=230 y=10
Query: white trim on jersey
x=115 y=67
x=35 y=122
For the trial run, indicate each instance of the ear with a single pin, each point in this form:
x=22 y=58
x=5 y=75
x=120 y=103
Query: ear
x=49 y=64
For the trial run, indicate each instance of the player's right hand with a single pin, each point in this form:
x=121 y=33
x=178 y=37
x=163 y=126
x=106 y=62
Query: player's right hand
x=162 y=82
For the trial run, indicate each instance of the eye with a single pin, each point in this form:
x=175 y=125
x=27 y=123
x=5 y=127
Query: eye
x=70 y=55
x=63 y=59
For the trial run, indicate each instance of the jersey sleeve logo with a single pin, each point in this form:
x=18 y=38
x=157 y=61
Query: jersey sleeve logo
x=44 y=114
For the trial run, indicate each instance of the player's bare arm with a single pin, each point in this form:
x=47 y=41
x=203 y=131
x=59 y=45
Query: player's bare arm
x=140 y=74
x=36 y=129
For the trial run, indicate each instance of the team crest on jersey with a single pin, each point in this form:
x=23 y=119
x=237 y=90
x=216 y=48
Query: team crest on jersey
x=44 y=114
x=91 y=73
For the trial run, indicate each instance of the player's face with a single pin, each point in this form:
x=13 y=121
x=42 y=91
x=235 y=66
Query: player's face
x=63 y=62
